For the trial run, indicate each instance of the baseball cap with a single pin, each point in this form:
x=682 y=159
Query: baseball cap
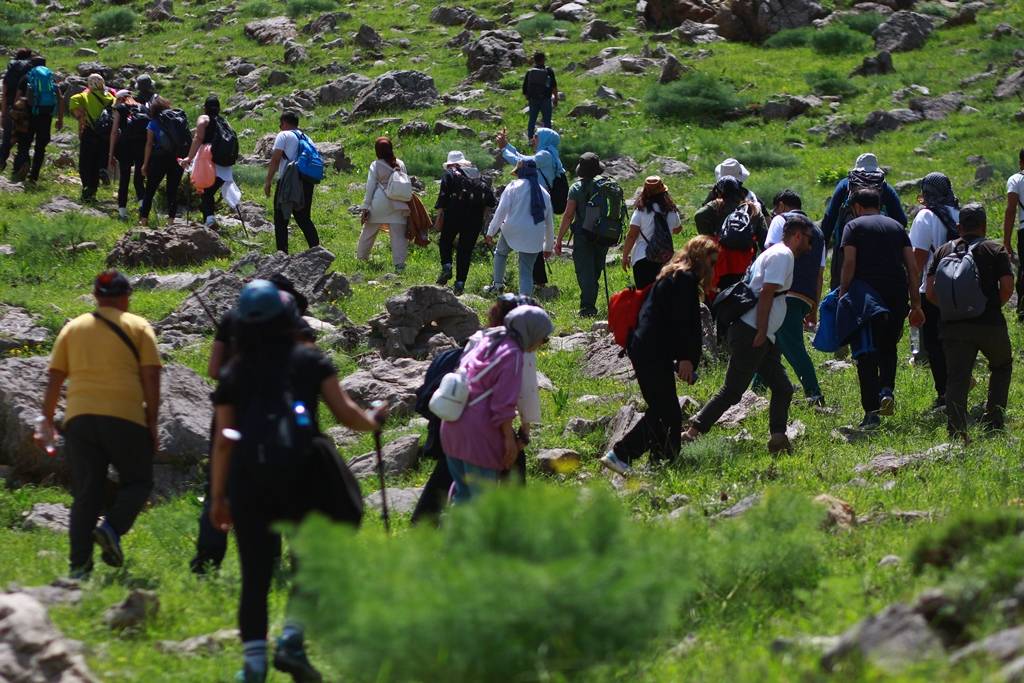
x=111 y=283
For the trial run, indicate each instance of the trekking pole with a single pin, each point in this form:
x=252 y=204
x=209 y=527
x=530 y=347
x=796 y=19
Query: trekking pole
x=205 y=307
x=238 y=208
x=380 y=476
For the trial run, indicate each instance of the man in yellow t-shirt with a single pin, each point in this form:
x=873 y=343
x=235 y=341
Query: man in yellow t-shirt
x=88 y=107
x=112 y=365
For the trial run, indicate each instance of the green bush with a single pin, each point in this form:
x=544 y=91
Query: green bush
x=258 y=8
x=765 y=155
x=540 y=25
x=601 y=138
x=113 y=21
x=864 y=23
x=298 y=8
x=829 y=82
x=696 y=97
x=954 y=540
x=934 y=9
x=839 y=40
x=830 y=176
x=791 y=37
x=11 y=35
x=425 y=158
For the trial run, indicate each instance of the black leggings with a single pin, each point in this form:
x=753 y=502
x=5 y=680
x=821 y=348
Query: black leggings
x=127 y=162
x=208 y=196
x=467 y=232
x=658 y=431
x=162 y=166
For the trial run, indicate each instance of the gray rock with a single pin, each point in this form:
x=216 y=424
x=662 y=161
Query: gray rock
x=889 y=462
x=573 y=11
x=606 y=93
x=1003 y=646
x=397 y=455
x=588 y=110
x=31 y=647
x=59 y=205
x=670 y=166
x=400 y=501
x=414 y=316
x=621 y=168
x=749 y=403
x=414 y=128
x=199 y=314
x=884 y=121
x=451 y=16
x=804 y=643
x=343 y=89
x=878 y=65
x=558 y=460
x=833 y=365
x=20 y=329
x=1011 y=86
x=307 y=270
x=901 y=516
x=394 y=380
x=172 y=282
x=893 y=639
x=139 y=607
x=444 y=127
x=602 y=359
x=251 y=81
x=86 y=68
x=271 y=31
x=599 y=29
x=671 y=70
x=938 y=108
x=903 y=31
x=175 y=245
x=623 y=421
x=204 y=645
x=396 y=90
x=342 y=436
x=696 y=33
x=785 y=107
x=185 y=416
x=581 y=426
x=485 y=115
x=161 y=10
x=294 y=53
x=503 y=49
x=890 y=561
x=53 y=516
x=460 y=40
x=325 y=23
x=740 y=508
x=366 y=36
x=571 y=342
x=57 y=592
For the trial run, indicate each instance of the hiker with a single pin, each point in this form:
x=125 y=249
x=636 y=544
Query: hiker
x=167 y=140
x=752 y=340
x=803 y=296
x=648 y=245
x=868 y=174
x=267 y=399
x=541 y=92
x=482 y=442
x=128 y=134
x=293 y=193
x=666 y=344
x=1014 y=219
x=90 y=107
x=145 y=91
x=434 y=495
x=732 y=168
x=213 y=130
x=43 y=100
x=879 y=274
x=545 y=143
x=380 y=212
x=734 y=219
x=525 y=221
x=934 y=225
x=986 y=332
x=460 y=205
x=16 y=70
x=110 y=360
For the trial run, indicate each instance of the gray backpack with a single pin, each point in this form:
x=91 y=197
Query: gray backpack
x=957 y=285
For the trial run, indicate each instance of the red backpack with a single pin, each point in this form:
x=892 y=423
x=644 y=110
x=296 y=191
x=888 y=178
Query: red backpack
x=624 y=312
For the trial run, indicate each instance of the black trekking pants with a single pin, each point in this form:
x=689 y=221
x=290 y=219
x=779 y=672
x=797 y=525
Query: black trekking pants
x=129 y=163
x=302 y=218
x=38 y=133
x=658 y=431
x=162 y=166
x=91 y=158
x=1020 y=273
x=208 y=197
x=467 y=232
x=7 y=139
x=933 y=345
x=876 y=371
x=94 y=442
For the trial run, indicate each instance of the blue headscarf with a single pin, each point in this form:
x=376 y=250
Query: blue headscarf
x=528 y=171
x=548 y=141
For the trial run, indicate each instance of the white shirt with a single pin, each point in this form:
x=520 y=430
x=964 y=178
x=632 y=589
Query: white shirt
x=775 y=230
x=514 y=220
x=928 y=233
x=644 y=220
x=383 y=210
x=287 y=141
x=773 y=267
x=1016 y=184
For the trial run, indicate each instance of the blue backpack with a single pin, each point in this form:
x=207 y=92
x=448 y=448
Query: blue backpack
x=309 y=163
x=44 y=93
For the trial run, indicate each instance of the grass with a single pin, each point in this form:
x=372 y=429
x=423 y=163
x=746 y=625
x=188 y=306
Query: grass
x=839 y=40
x=113 y=21
x=541 y=24
x=829 y=82
x=697 y=98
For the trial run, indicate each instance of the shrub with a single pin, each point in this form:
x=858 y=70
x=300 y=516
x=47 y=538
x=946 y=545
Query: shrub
x=864 y=23
x=539 y=25
x=764 y=155
x=603 y=139
x=258 y=8
x=934 y=9
x=829 y=82
x=113 y=21
x=696 y=97
x=839 y=40
x=830 y=176
x=424 y=159
x=11 y=35
x=298 y=8
x=967 y=534
x=791 y=37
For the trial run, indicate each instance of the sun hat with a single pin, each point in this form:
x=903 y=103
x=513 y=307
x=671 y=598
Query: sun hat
x=732 y=167
x=589 y=166
x=455 y=157
x=866 y=162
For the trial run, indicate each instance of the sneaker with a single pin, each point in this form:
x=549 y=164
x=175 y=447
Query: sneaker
x=110 y=544
x=816 y=401
x=290 y=658
x=459 y=288
x=210 y=222
x=779 y=443
x=445 y=276
x=494 y=289
x=248 y=675
x=588 y=313
x=887 y=404
x=611 y=461
x=81 y=572
x=870 y=422
x=399 y=268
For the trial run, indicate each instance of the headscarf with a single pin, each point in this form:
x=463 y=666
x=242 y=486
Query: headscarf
x=548 y=141
x=528 y=325
x=96 y=84
x=385 y=151
x=937 y=196
x=730 y=189
x=527 y=171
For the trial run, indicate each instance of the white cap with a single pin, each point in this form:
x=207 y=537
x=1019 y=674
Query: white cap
x=731 y=167
x=866 y=162
x=455 y=157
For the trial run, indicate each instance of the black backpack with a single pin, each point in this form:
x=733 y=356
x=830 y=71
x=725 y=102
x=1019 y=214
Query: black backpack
x=857 y=180
x=537 y=83
x=16 y=70
x=177 y=138
x=276 y=437
x=472 y=192
x=737 y=231
x=559 y=194
x=134 y=124
x=659 y=247
x=225 y=143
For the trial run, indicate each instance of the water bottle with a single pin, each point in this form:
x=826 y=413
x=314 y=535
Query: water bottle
x=915 y=346
x=43 y=435
x=302 y=418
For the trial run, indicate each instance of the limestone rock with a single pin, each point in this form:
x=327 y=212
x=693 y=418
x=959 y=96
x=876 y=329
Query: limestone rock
x=671 y=70
x=1003 y=646
x=366 y=36
x=451 y=16
x=588 y=110
x=444 y=127
x=417 y=314
x=670 y=166
x=59 y=205
x=139 y=607
x=838 y=513
x=749 y=403
x=893 y=639
x=1011 y=86
x=785 y=107
x=903 y=31
x=696 y=33
x=670 y=13
x=397 y=455
x=20 y=329
x=271 y=31
x=393 y=380
x=623 y=421
x=599 y=29
x=343 y=89
x=294 y=53
x=938 y=108
x=503 y=49
x=755 y=20
x=325 y=23
x=740 y=508
x=400 y=501
x=396 y=90
x=603 y=360
x=176 y=245
x=31 y=647
x=204 y=645
x=581 y=426
x=558 y=460
x=53 y=516
x=172 y=282
x=889 y=462
x=884 y=121
x=57 y=592
x=573 y=11
x=185 y=416
x=621 y=168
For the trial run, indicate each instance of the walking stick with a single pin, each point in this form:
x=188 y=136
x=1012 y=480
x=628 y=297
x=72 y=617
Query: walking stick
x=380 y=476
x=238 y=208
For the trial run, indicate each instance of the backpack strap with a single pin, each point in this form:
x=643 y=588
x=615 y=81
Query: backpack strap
x=121 y=334
x=490 y=391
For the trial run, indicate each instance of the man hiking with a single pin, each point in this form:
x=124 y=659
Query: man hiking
x=290 y=184
x=1013 y=219
x=16 y=70
x=110 y=360
x=88 y=107
x=43 y=100
x=541 y=92
x=145 y=92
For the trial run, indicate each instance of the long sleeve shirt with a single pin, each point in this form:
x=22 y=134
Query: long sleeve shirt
x=545 y=162
x=834 y=221
x=382 y=209
x=669 y=327
x=515 y=221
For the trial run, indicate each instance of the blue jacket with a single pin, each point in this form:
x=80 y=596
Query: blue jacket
x=857 y=308
x=834 y=221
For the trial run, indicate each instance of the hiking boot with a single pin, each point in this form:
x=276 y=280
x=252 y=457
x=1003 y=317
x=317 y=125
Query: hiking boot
x=20 y=174
x=249 y=675
x=588 y=313
x=290 y=658
x=870 y=422
x=816 y=401
x=459 y=288
x=81 y=572
x=611 y=461
x=494 y=289
x=445 y=276
x=887 y=404
x=779 y=443
x=110 y=544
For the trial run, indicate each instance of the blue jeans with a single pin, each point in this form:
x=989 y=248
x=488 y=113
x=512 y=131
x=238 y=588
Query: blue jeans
x=543 y=107
x=470 y=480
x=526 y=261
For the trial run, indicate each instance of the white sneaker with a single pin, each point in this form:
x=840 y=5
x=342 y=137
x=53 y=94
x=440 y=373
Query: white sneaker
x=611 y=461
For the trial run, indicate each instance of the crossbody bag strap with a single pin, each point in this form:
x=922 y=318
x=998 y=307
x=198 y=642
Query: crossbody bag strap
x=122 y=335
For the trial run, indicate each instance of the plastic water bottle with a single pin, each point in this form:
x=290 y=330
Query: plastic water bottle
x=302 y=418
x=915 y=346
x=43 y=435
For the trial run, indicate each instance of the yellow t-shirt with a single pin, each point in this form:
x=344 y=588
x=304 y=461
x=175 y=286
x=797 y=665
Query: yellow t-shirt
x=92 y=103
x=103 y=375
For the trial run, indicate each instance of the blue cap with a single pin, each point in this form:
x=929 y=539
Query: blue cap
x=259 y=302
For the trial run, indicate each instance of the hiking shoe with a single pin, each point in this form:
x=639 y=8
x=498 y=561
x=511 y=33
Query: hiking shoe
x=870 y=422
x=110 y=544
x=81 y=572
x=445 y=276
x=816 y=401
x=588 y=313
x=611 y=461
x=887 y=405
x=938 y=405
x=20 y=174
x=249 y=675
x=459 y=288
x=290 y=658
x=494 y=289
x=779 y=443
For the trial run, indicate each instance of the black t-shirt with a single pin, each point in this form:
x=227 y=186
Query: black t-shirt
x=14 y=79
x=455 y=211
x=226 y=331
x=880 y=242
x=669 y=327
x=993 y=263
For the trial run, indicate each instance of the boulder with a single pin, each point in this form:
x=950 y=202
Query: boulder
x=20 y=329
x=755 y=20
x=161 y=10
x=400 y=501
x=666 y=14
x=199 y=314
x=86 y=68
x=558 y=460
x=294 y=53
x=581 y=426
x=175 y=245
x=838 y=513
x=749 y=403
x=889 y=462
x=276 y=77
x=396 y=90
x=451 y=16
x=417 y=314
x=670 y=166
x=742 y=507
x=1003 y=646
x=172 y=282
x=503 y=49
x=271 y=31
x=892 y=640
x=366 y=36
x=1010 y=86
x=53 y=516
x=137 y=608
x=460 y=39
x=903 y=31
x=599 y=29
x=59 y=205
x=252 y=80
x=623 y=421
x=57 y=592
x=785 y=107
x=621 y=168
x=588 y=110
x=343 y=89
x=884 y=121
x=444 y=127
x=938 y=108
x=393 y=380
x=414 y=128
x=602 y=359
x=31 y=647
x=398 y=456
x=185 y=416
x=671 y=70
x=573 y=11
x=325 y=23
x=485 y=115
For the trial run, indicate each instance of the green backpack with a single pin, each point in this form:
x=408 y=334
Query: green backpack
x=603 y=214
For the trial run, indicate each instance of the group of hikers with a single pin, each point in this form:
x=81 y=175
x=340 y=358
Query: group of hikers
x=757 y=270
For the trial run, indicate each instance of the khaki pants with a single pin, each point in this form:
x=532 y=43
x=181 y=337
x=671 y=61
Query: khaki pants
x=399 y=244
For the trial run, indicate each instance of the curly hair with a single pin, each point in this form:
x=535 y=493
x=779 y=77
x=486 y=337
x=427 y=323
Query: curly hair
x=692 y=258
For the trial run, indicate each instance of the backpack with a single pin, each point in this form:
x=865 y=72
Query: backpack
x=40 y=84
x=16 y=70
x=21 y=115
x=399 y=187
x=537 y=87
x=308 y=163
x=134 y=124
x=452 y=395
x=604 y=213
x=857 y=180
x=277 y=432
x=624 y=313
x=177 y=138
x=737 y=231
x=224 y=143
x=659 y=247
x=957 y=286
x=559 y=191
x=472 y=192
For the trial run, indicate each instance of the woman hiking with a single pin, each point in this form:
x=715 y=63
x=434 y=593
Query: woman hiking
x=652 y=203
x=736 y=252
x=206 y=133
x=379 y=212
x=527 y=227
x=127 y=150
x=158 y=163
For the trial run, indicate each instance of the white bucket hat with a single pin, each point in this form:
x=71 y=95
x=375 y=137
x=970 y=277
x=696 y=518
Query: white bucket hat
x=455 y=157
x=731 y=167
x=866 y=162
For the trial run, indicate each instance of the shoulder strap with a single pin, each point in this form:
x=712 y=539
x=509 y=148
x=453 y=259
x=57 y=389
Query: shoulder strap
x=122 y=335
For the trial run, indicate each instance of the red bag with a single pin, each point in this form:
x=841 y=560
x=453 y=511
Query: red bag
x=624 y=312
